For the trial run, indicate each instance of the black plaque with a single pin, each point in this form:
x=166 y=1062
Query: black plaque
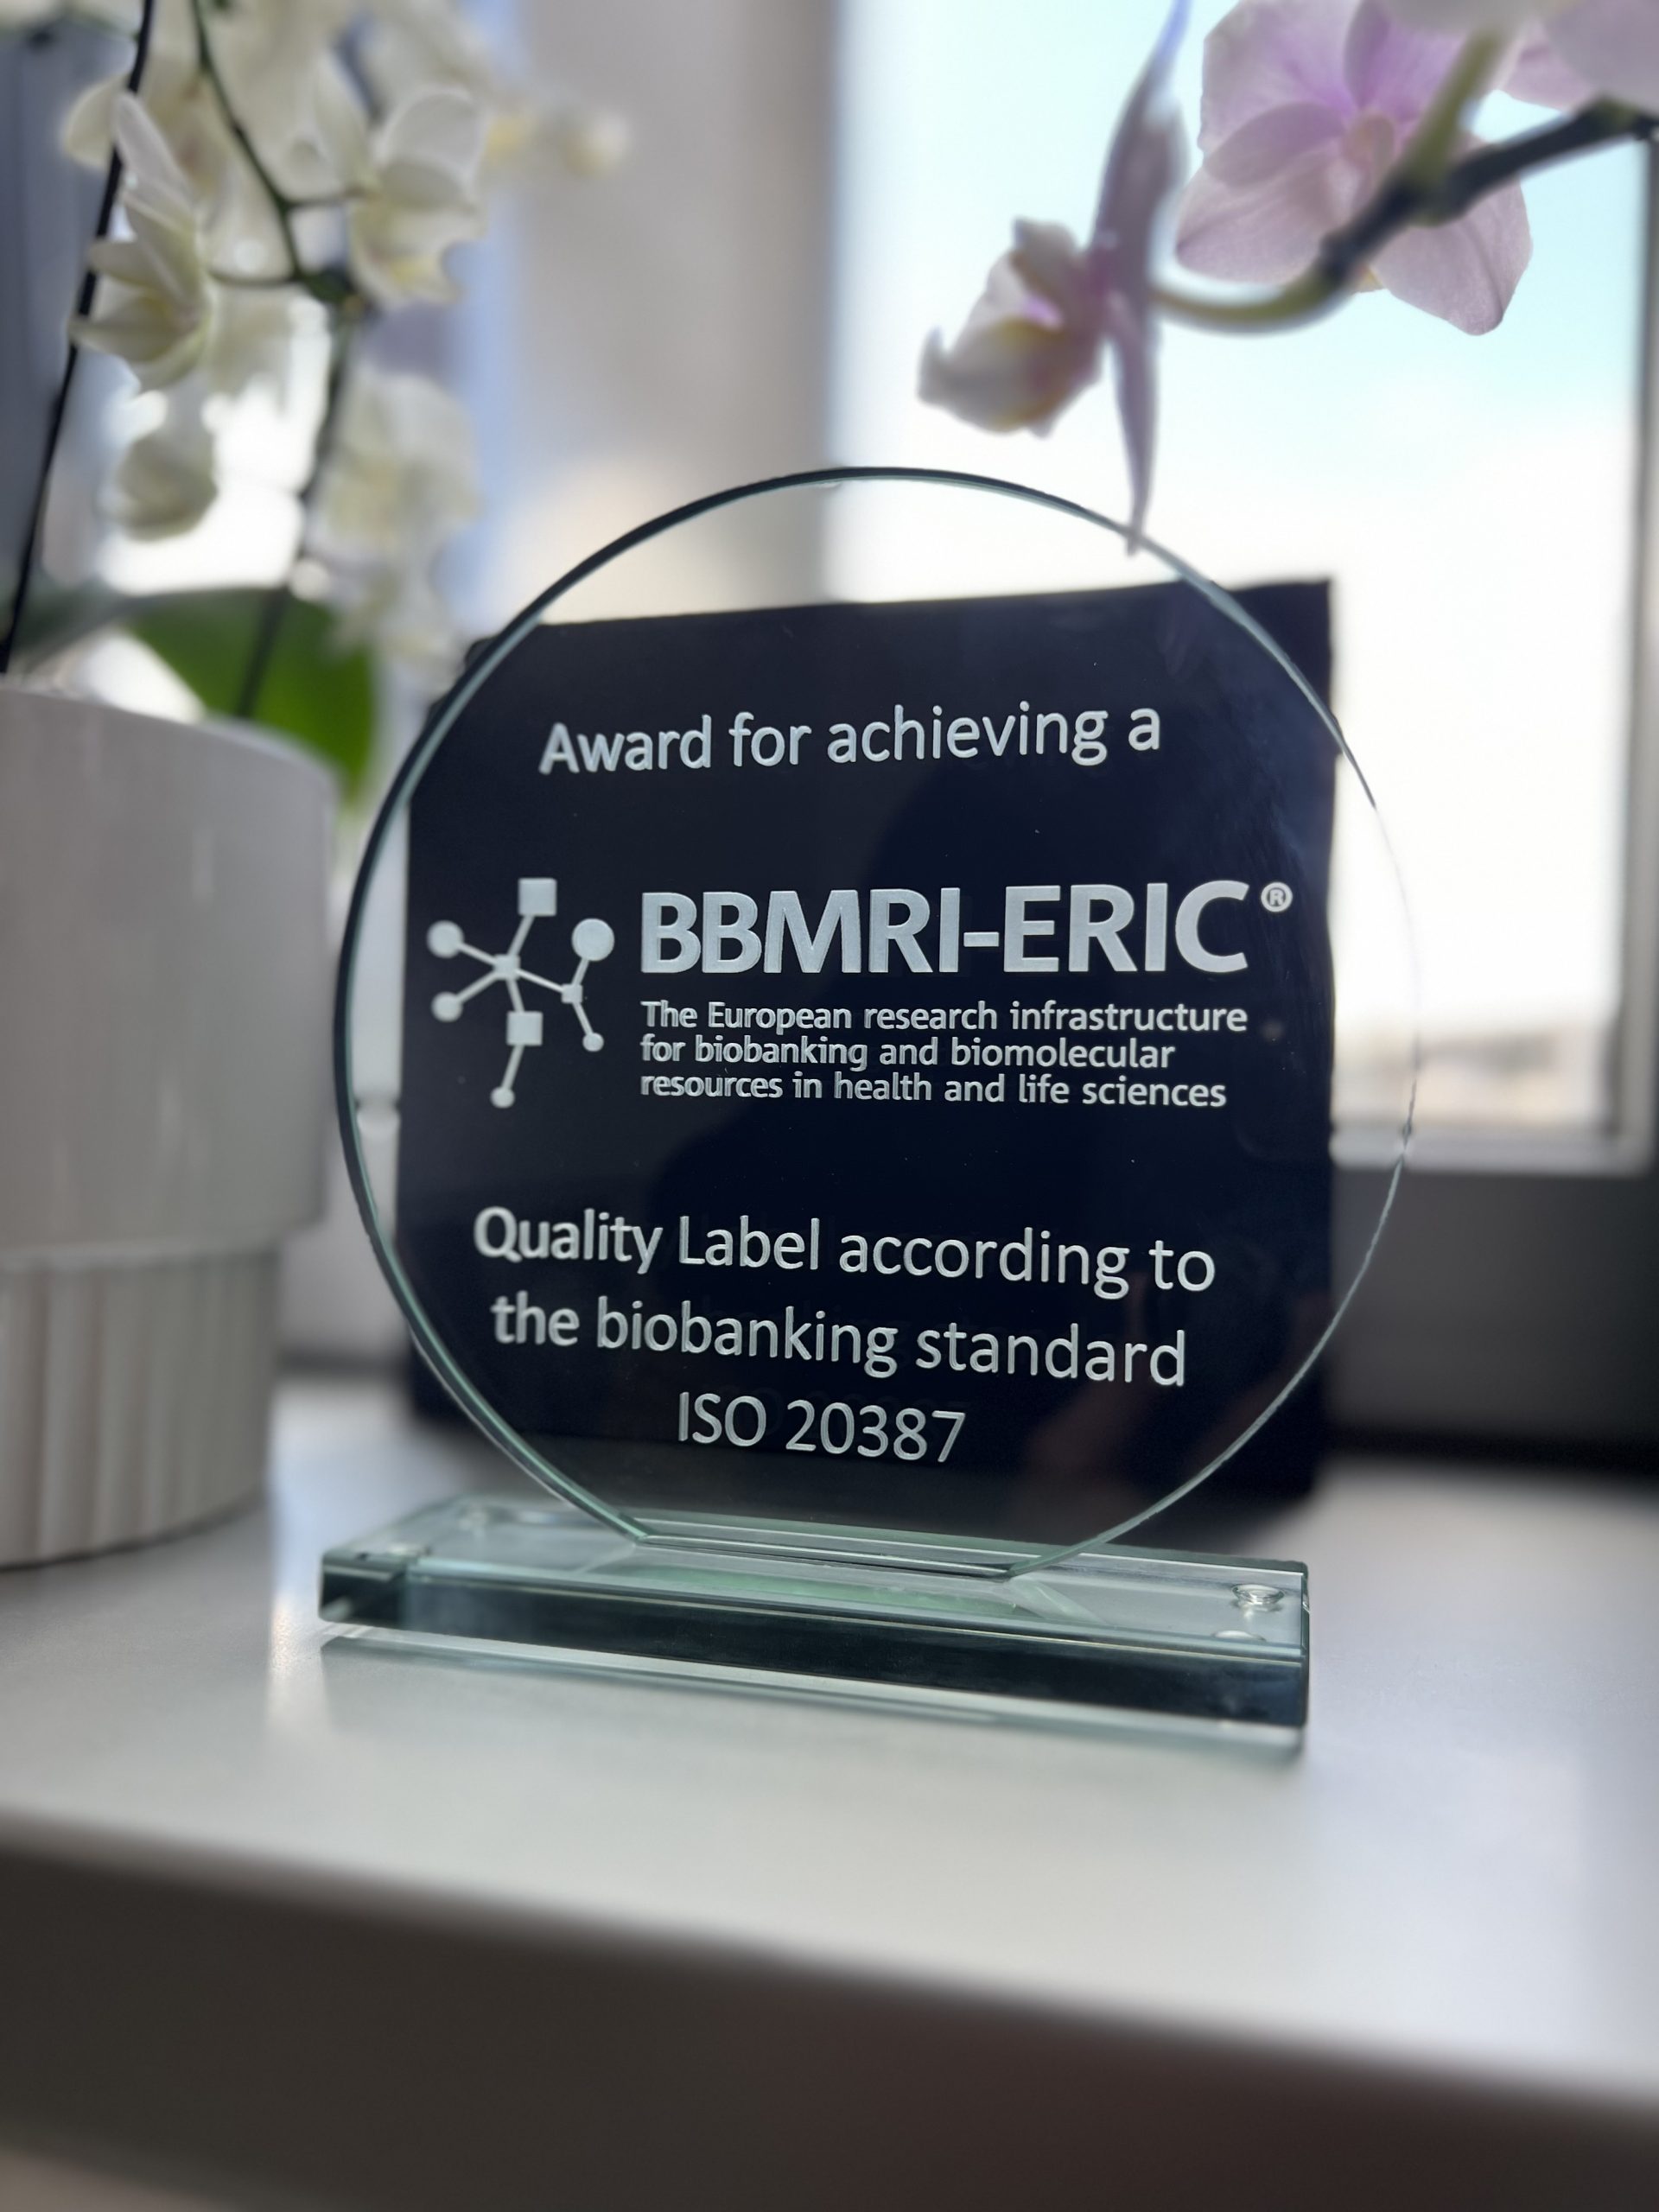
x=939 y=1132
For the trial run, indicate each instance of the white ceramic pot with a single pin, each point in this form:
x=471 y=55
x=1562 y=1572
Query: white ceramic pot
x=165 y=977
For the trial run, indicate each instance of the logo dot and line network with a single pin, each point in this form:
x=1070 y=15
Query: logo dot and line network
x=590 y=940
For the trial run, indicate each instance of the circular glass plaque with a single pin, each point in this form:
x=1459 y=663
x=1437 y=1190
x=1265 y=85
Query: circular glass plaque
x=840 y=1016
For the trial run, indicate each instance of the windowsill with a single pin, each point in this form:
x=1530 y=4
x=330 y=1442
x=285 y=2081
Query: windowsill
x=1453 y=1882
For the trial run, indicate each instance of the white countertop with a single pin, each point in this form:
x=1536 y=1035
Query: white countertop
x=1457 y=1878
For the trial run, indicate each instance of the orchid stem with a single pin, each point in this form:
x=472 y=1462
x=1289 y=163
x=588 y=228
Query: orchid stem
x=1310 y=295
x=234 y=280
x=347 y=310
x=84 y=304
x=1429 y=150
x=279 y=597
x=281 y=207
x=1402 y=201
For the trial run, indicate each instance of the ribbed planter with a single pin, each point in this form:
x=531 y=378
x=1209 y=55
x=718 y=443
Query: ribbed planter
x=164 y=985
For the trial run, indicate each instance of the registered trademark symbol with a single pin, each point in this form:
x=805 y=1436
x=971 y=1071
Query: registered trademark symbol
x=1276 y=897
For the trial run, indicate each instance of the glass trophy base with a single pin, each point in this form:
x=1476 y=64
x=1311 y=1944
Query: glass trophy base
x=973 y=1622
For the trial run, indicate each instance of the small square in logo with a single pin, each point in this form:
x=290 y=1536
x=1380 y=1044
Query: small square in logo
x=538 y=894
x=524 y=1029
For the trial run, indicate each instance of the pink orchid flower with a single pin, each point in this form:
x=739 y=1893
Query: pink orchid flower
x=1306 y=105
x=1571 y=50
x=1052 y=308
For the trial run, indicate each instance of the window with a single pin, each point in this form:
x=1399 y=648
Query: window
x=1470 y=499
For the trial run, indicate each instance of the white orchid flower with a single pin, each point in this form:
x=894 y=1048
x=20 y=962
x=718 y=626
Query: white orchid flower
x=419 y=197
x=288 y=86
x=240 y=230
x=401 y=475
x=410 y=46
x=400 y=479
x=176 y=97
x=1571 y=50
x=282 y=78
x=409 y=183
x=408 y=620
x=164 y=482
x=155 y=308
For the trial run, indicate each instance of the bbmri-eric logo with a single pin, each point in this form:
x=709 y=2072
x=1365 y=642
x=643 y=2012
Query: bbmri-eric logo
x=590 y=940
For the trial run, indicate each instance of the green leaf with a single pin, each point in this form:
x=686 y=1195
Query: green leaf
x=316 y=689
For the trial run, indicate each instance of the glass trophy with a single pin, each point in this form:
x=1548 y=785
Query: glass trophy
x=835 y=1047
